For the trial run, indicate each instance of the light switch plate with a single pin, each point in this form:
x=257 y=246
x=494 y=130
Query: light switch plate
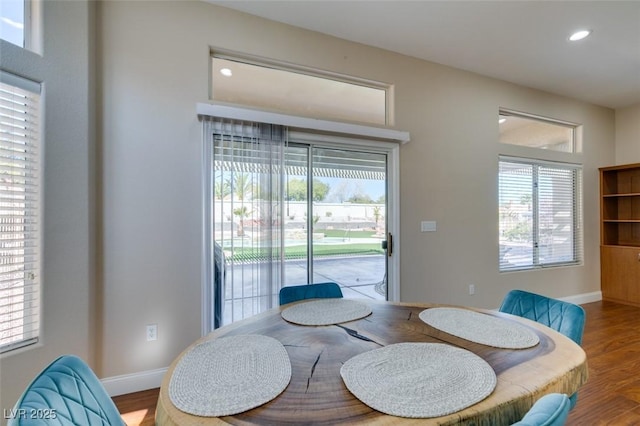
x=428 y=226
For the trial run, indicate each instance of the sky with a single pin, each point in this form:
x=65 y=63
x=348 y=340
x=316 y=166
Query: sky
x=373 y=188
x=12 y=21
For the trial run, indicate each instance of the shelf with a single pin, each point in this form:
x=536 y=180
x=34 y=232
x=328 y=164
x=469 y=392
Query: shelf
x=623 y=245
x=621 y=220
x=620 y=209
x=620 y=233
x=630 y=194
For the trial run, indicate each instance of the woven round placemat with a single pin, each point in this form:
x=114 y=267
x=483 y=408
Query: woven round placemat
x=230 y=375
x=480 y=328
x=326 y=311
x=418 y=380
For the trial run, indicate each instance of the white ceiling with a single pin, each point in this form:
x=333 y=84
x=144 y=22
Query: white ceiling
x=524 y=42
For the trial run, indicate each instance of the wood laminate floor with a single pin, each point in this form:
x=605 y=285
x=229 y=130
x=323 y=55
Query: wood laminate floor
x=610 y=397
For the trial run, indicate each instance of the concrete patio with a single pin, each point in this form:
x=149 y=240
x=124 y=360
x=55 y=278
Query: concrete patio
x=357 y=276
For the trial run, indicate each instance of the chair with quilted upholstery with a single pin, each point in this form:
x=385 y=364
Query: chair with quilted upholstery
x=67 y=392
x=309 y=291
x=550 y=410
x=563 y=317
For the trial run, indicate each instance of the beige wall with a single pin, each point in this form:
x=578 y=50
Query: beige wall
x=152 y=68
x=68 y=270
x=628 y=135
x=155 y=67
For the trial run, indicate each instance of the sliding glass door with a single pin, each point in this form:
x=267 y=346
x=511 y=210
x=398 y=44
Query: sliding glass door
x=340 y=196
x=283 y=212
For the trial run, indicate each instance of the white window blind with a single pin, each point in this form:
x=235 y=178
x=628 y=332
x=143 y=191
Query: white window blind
x=539 y=214
x=20 y=165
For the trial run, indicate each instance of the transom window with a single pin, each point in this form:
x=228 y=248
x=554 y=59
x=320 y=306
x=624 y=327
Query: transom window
x=19 y=23
x=536 y=132
x=300 y=92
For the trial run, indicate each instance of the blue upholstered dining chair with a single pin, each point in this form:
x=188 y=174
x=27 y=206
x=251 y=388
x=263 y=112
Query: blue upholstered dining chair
x=563 y=317
x=309 y=291
x=550 y=410
x=69 y=391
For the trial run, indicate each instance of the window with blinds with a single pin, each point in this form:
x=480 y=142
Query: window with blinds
x=539 y=214
x=20 y=165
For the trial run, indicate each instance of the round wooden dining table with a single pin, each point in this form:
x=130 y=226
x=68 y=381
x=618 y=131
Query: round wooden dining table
x=317 y=394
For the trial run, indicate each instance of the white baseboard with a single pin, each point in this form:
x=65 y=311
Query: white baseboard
x=129 y=383
x=580 y=299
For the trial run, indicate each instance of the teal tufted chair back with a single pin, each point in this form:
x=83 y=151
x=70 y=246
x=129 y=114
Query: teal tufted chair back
x=67 y=392
x=550 y=410
x=564 y=317
x=309 y=291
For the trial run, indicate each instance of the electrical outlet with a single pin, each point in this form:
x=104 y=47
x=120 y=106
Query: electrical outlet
x=152 y=332
x=472 y=289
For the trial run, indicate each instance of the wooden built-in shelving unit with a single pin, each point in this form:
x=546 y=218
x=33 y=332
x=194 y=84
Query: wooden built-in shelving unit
x=620 y=233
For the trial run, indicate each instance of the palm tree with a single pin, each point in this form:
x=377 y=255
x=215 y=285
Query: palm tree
x=377 y=215
x=222 y=189
x=242 y=212
x=241 y=185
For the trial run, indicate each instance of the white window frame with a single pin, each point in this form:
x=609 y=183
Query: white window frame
x=21 y=164
x=576 y=170
x=32 y=26
x=342 y=134
x=575 y=147
x=293 y=70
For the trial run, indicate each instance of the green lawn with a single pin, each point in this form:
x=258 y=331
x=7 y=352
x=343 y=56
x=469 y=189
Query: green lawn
x=341 y=233
x=299 y=252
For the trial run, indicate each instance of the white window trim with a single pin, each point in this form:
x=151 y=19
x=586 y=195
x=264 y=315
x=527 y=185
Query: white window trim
x=384 y=140
x=36 y=88
x=241 y=113
x=579 y=221
x=310 y=71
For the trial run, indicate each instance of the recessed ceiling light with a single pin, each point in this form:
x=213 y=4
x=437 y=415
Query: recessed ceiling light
x=579 y=35
x=226 y=72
